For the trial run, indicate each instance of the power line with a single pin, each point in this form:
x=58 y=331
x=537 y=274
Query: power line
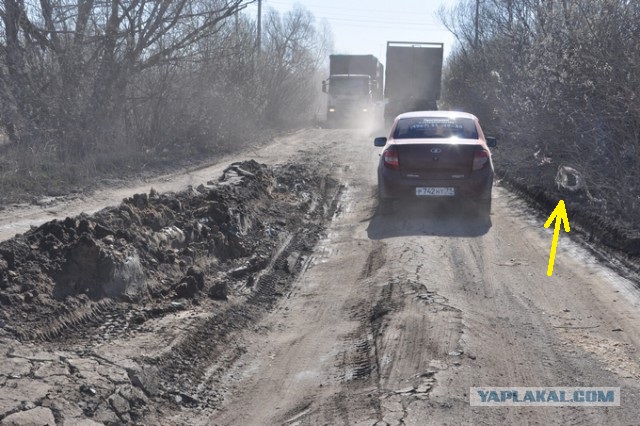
x=377 y=21
x=371 y=22
x=391 y=11
x=374 y=21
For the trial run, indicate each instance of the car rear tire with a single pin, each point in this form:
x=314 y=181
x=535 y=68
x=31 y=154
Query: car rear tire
x=385 y=206
x=483 y=208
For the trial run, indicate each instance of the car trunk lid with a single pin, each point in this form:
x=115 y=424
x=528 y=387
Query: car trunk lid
x=436 y=160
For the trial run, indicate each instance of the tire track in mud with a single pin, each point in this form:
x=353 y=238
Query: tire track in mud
x=192 y=369
x=392 y=359
x=359 y=360
x=356 y=368
x=89 y=315
x=389 y=362
x=187 y=369
x=416 y=331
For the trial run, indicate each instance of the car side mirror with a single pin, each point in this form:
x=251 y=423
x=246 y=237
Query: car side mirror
x=380 y=141
x=491 y=141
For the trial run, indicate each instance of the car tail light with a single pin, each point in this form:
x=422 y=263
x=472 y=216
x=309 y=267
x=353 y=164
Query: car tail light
x=391 y=158
x=480 y=159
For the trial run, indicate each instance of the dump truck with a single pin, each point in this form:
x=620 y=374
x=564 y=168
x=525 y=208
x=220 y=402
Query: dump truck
x=414 y=73
x=354 y=87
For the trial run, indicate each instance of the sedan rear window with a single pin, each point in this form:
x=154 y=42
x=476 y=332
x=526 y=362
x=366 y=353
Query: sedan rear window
x=435 y=127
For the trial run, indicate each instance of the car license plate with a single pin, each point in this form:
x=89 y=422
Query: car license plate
x=430 y=191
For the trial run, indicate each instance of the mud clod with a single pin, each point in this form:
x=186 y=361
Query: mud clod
x=219 y=291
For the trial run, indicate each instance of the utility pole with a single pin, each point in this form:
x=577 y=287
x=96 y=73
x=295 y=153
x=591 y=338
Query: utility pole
x=477 y=24
x=259 y=41
x=237 y=23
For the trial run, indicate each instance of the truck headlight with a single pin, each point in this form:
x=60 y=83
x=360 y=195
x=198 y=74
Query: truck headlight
x=332 y=110
x=364 y=110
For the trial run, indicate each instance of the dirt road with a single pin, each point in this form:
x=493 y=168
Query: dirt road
x=389 y=320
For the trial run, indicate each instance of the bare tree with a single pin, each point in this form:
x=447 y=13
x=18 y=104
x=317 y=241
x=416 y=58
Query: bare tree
x=66 y=65
x=294 y=49
x=92 y=86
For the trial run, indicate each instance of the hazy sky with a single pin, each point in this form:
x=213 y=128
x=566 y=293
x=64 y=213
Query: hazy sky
x=365 y=26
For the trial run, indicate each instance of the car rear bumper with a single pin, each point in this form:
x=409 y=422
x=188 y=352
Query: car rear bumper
x=477 y=185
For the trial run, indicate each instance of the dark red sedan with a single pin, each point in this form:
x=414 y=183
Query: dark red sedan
x=435 y=154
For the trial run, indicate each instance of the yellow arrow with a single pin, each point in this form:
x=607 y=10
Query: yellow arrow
x=559 y=214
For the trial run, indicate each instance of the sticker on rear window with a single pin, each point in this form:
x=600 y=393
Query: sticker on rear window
x=434 y=125
x=436 y=128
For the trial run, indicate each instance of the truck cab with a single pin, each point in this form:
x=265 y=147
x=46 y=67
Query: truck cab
x=354 y=88
x=350 y=96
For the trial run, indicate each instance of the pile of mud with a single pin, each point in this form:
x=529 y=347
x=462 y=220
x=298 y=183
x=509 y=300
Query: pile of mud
x=156 y=253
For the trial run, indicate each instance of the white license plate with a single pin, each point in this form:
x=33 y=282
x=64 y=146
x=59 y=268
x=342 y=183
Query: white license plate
x=430 y=191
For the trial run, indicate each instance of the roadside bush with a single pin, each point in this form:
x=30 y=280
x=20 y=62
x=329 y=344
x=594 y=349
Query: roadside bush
x=558 y=82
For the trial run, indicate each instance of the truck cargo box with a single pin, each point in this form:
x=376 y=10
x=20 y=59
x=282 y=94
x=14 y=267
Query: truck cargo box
x=414 y=70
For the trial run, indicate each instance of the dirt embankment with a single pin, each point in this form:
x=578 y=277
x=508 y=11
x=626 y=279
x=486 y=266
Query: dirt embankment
x=598 y=217
x=225 y=250
x=607 y=236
